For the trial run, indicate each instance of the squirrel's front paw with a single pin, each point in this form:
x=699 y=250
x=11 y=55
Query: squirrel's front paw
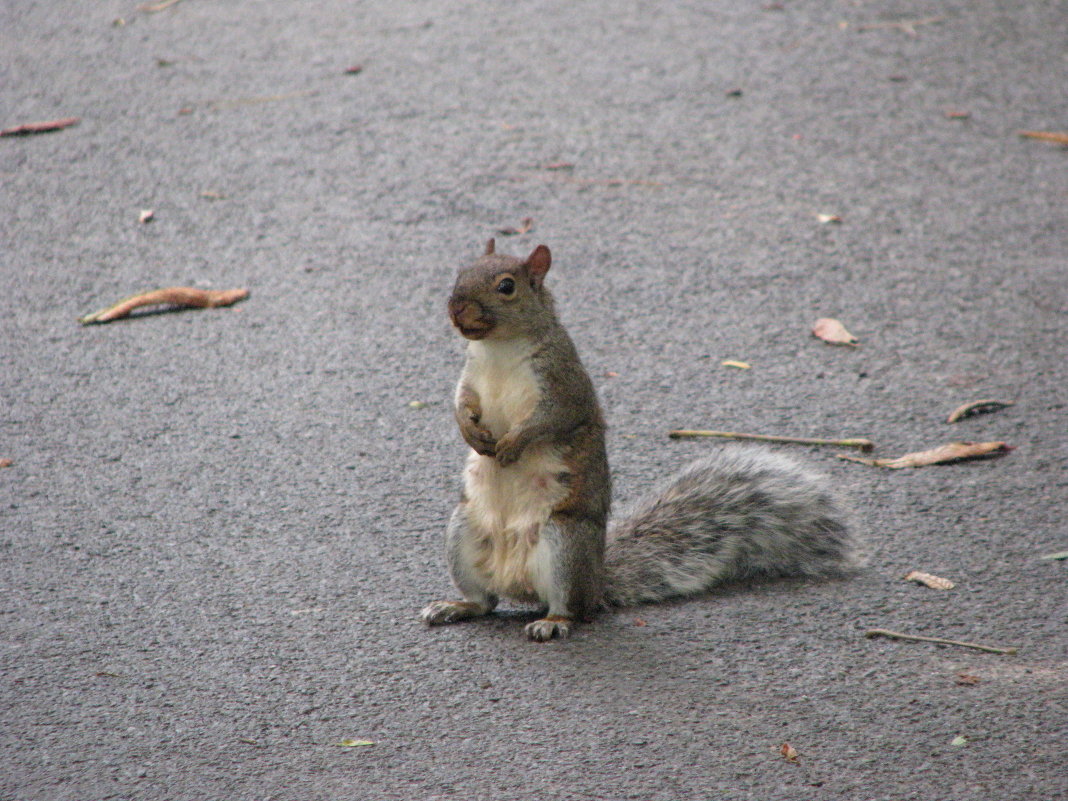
x=548 y=627
x=509 y=449
x=480 y=439
x=441 y=612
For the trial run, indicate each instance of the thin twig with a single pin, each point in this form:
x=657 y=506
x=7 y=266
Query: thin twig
x=907 y=26
x=864 y=445
x=219 y=105
x=563 y=176
x=152 y=8
x=896 y=635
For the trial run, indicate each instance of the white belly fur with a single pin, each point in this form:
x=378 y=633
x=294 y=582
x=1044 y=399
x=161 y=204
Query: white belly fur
x=507 y=507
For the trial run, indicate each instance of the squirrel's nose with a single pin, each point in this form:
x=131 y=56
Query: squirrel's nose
x=465 y=313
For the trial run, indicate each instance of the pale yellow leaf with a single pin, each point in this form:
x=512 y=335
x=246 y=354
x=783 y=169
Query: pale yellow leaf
x=934 y=582
x=832 y=332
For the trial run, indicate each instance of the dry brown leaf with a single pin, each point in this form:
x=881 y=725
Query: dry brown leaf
x=950 y=452
x=6 y=463
x=639 y=622
x=524 y=226
x=789 y=753
x=967 y=679
x=40 y=127
x=832 y=332
x=976 y=407
x=934 y=582
x=1057 y=137
x=174 y=296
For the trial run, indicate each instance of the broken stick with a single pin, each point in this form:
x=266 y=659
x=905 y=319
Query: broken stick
x=175 y=296
x=896 y=635
x=864 y=445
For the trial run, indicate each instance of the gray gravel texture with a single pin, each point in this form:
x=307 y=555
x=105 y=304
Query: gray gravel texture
x=219 y=526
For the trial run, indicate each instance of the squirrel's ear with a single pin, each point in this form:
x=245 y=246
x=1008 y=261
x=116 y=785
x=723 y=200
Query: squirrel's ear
x=538 y=265
x=491 y=246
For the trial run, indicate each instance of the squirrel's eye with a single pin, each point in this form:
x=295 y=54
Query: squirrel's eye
x=506 y=286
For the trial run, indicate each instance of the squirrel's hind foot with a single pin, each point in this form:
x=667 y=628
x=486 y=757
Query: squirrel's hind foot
x=549 y=627
x=439 y=613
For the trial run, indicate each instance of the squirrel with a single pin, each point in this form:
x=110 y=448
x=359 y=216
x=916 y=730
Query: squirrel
x=532 y=522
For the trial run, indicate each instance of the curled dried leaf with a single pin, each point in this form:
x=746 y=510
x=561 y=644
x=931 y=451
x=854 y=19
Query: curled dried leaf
x=934 y=582
x=174 y=296
x=950 y=452
x=1056 y=137
x=967 y=679
x=40 y=127
x=789 y=753
x=6 y=463
x=832 y=332
x=976 y=407
x=524 y=226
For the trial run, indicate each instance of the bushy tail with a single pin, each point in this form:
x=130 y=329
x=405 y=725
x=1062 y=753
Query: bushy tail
x=742 y=513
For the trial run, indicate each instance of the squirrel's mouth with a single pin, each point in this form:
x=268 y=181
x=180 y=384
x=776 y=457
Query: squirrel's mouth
x=474 y=332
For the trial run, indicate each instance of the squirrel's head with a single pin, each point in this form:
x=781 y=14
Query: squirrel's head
x=501 y=296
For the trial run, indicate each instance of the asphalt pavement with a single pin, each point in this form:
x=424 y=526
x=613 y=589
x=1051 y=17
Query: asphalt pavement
x=218 y=526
